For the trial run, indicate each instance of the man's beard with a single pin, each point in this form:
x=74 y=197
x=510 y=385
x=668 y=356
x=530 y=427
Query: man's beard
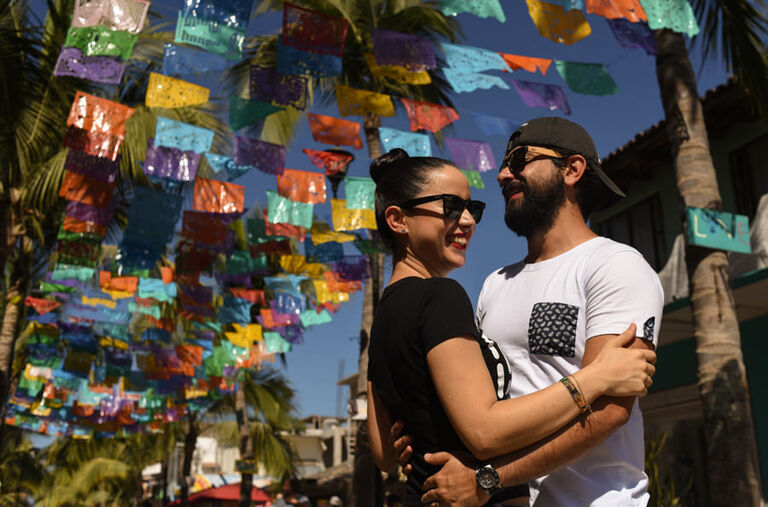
x=539 y=208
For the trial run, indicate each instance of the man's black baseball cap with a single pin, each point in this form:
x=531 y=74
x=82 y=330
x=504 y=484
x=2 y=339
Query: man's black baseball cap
x=564 y=136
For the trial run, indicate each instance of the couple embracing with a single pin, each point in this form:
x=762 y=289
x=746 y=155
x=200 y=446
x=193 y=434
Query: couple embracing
x=533 y=399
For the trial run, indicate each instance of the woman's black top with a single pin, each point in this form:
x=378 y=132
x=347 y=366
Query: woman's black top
x=413 y=316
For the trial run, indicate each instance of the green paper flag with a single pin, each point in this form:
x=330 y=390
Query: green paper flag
x=474 y=178
x=275 y=343
x=312 y=318
x=243 y=112
x=360 y=192
x=281 y=211
x=101 y=41
x=676 y=15
x=587 y=78
x=242 y=262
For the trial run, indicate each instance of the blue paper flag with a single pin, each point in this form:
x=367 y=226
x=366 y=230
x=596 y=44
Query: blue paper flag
x=417 y=145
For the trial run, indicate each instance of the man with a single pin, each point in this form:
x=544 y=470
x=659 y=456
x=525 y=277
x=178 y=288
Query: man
x=551 y=313
x=291 y=497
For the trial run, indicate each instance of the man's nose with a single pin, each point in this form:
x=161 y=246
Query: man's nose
x=505 y=174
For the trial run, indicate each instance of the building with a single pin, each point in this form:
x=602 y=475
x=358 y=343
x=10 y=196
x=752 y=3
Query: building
x=650 y=219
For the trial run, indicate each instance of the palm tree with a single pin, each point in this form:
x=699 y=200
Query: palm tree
x=35 y=105
x=264 y=408
x=405 y=16
x=737 y=29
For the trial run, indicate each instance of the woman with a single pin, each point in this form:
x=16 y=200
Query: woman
x=426 y=217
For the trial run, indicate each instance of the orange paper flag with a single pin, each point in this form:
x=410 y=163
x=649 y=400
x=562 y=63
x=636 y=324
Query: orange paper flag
x=218 y=197
x=553 y=22
x=81 y=188
x=425 y=115
x=330 y=130
x=118 y=283
x=613 y=9
x=98 y=115
x=517 y=62
x=302 y=186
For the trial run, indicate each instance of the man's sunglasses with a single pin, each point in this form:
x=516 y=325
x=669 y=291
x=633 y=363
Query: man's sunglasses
x=453 y=205
x=517 y=159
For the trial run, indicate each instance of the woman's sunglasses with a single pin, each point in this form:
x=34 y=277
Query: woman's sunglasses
x=517 y=159
x=453 y=205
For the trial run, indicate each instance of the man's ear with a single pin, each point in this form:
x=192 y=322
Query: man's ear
x=395 y=218
x=574 y=170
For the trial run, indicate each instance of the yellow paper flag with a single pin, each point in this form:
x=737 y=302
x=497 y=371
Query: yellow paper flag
x=245 y=336
x=295 y=264
x=345 y=219
x=324 y=294
x=553 y=22
x=397 y=73
x=164 y=91
x=322 y=233
x=316 y=269
x=358 y=102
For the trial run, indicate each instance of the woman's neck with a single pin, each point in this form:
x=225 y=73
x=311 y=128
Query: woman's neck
x=410 y=266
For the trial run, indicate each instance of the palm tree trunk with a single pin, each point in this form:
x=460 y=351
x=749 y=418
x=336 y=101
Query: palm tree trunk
x=190 y=441
x=246 y=446
x=732 y=462
x=366 y=479
x=164 y=474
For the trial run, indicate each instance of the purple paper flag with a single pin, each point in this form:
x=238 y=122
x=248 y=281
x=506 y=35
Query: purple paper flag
x=542 y=95
x=352 y=268
x=166 y=162
x=102 y=69
x=471 y=155
x=88 y=213
x=266 y=157
x=267 y=85
x=395 y=48
x=633 y=35
x=97 y=168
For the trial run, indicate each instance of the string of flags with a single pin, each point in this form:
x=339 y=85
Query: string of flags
x=126 y=337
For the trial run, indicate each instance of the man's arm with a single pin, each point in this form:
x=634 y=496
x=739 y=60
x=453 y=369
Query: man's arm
x=560 y=449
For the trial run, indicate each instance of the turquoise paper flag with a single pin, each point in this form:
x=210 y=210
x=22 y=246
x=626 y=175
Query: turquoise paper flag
x=587 y=78
x=470 y=81
x=472 y=59
x=180 y=135
x=676 y=15
x=480 y=8
x=360 y=192
x=281 y=210
x=417 y=145
x=312 y=318
x=275 y=343
x=570 y=5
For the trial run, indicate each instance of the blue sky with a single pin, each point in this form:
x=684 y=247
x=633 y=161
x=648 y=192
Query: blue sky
x=612 y=121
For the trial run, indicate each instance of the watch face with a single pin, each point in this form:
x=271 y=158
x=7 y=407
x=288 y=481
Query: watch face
x=487 y=478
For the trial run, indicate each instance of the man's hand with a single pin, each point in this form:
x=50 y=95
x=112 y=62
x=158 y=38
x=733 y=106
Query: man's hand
x=455 y=483
x=401 y=444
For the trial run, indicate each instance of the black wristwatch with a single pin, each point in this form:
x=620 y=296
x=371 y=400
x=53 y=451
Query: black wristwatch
x=487 y=479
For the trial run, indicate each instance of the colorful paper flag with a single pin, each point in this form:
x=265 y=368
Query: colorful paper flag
x=315 y=31
x=428 y=116
x=345 y=219
x=587 y=78
x=359 y=102
x=542 y=95
x=417 y=145
x=330 y=130
x=164 y=91
x=517 y=62
x=302 y=186
x=404 y=50
x=471 y=59
x=397 y=73
x=480 y=8
x=462 y=81
x=471 y=155
x=553 y=22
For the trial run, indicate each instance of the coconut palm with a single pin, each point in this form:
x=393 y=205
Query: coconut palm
x=35 y=105
x=264 y=408
x=405 y=16
x=735 y=30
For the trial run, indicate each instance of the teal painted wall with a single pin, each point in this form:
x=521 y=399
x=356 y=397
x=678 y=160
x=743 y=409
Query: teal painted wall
x=676 y=367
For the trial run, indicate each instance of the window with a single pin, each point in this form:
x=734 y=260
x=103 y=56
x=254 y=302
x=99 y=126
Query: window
x=749 y=169
x=641 y=227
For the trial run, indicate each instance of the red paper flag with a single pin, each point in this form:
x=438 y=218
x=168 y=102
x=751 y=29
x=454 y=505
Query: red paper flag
x=428 y=116
x=330 y=130
x=218 y=197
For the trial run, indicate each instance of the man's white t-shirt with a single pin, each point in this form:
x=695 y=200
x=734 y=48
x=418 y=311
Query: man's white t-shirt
x=541 y=315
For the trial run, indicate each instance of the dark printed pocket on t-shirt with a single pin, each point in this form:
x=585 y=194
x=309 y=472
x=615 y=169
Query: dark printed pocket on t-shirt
x=552 y=329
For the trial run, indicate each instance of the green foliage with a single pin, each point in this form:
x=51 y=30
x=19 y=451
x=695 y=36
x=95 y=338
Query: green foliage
x=662 y=489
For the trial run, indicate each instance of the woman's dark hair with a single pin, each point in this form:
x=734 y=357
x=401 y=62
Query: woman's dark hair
x=399 y=178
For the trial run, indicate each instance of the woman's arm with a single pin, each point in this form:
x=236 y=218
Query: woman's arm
x=379 y=426
x=489 y=427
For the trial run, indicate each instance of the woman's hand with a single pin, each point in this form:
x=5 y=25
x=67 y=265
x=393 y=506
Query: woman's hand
x=622 y=371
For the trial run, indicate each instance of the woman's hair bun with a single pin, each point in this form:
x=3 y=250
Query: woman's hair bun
x=384 y=163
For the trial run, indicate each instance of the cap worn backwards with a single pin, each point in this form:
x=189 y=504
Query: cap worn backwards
x=562 y=135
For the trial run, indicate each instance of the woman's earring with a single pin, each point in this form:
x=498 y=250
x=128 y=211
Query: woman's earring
x=403 y=230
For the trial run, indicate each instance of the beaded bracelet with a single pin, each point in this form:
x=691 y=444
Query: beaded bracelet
x=575 y=393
